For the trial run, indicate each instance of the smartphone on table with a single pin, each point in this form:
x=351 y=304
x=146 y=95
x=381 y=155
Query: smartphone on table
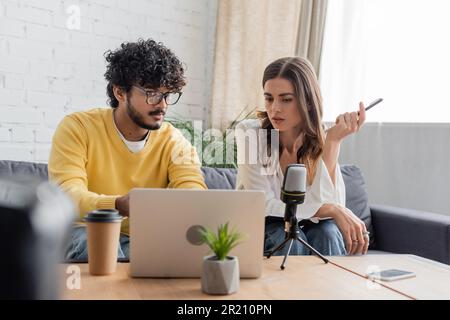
x=391 y=275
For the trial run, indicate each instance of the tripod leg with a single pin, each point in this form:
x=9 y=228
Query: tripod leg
x=287 y=253
x=279 y=247
x=312 y=249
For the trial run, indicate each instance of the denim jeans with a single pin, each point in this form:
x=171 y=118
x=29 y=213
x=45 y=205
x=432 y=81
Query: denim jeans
x=76 y=250
x=324 y=236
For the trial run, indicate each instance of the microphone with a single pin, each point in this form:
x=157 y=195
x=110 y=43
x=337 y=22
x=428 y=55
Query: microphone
x=293 y=191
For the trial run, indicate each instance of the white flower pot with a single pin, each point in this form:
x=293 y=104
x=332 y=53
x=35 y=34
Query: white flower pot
x=220 y=277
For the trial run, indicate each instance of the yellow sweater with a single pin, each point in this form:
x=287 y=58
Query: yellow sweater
x=91 y=163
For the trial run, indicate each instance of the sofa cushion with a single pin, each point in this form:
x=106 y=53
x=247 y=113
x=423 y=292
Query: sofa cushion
x=220 y=178
x=215 y=178
x=356 y=196
x=9 y=168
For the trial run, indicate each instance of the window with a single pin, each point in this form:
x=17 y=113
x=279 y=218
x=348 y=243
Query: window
x=398 y=50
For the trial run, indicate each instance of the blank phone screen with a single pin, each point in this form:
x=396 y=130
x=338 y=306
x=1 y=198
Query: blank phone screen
x=393 y=273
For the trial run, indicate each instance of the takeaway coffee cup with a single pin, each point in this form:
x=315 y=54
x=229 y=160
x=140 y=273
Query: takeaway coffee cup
x=103 y=233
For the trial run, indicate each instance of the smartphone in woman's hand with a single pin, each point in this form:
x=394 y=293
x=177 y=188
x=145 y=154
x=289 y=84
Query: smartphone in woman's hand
x=374 y=103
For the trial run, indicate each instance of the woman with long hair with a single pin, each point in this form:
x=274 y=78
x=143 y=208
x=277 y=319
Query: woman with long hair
x=293 y=107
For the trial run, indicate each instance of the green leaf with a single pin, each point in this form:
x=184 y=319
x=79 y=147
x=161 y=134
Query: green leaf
x=193 y=135
x=222 y=242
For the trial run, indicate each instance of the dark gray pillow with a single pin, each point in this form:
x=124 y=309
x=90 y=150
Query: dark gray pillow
x=220 y=178
x=9 y=168
x=356 y=196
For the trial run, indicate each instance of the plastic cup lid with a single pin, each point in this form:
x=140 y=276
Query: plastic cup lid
x=103 y=215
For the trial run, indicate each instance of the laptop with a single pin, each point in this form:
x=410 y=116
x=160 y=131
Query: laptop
x=164 y=224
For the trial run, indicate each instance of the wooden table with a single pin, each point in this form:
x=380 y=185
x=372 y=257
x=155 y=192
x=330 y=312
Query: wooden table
x=305 y=277
x=432 y=279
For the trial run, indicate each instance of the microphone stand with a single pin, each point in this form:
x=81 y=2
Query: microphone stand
x=292 y=230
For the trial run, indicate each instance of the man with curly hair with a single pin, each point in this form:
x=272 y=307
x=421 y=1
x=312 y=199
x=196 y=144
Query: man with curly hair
x=97 y=156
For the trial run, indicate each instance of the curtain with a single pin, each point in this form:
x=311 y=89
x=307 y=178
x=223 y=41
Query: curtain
x=311 y=31
x=342 y=63
x=395 y=50
x=250 y=34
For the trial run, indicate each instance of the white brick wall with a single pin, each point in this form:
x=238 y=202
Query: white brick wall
x=48 y=70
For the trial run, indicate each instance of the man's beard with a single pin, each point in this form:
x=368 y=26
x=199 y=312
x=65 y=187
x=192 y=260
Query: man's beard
x=138 y=119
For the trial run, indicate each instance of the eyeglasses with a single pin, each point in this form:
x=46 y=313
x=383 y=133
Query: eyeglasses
x=155 y=97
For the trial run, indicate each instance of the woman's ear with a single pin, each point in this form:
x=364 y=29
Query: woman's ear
x=119 y=93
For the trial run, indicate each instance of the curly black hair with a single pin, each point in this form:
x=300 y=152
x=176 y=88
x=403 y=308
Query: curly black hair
x=146 y=63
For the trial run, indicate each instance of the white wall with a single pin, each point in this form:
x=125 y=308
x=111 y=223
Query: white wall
x=404 y=165
x=49 y=69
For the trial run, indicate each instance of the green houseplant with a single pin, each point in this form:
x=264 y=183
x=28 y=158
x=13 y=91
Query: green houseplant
x=220 y=274
x=214 y=151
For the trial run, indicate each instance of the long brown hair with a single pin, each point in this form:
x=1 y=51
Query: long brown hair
x=301 y=74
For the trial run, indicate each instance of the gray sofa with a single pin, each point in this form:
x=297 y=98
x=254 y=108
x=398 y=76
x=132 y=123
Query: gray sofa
x=395 y=230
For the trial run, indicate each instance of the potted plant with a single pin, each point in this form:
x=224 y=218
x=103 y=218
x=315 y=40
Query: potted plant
x=220 y=273
x=201 y=140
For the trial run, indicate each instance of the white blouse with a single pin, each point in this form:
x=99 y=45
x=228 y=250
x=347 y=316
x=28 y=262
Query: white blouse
x=320 y=192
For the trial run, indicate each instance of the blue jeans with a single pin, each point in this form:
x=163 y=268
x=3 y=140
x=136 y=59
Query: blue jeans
x=324 y=236
x=76 y=250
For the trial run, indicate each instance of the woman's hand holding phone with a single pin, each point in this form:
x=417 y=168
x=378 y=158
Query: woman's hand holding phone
x=346 y=124
x=349 y=122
